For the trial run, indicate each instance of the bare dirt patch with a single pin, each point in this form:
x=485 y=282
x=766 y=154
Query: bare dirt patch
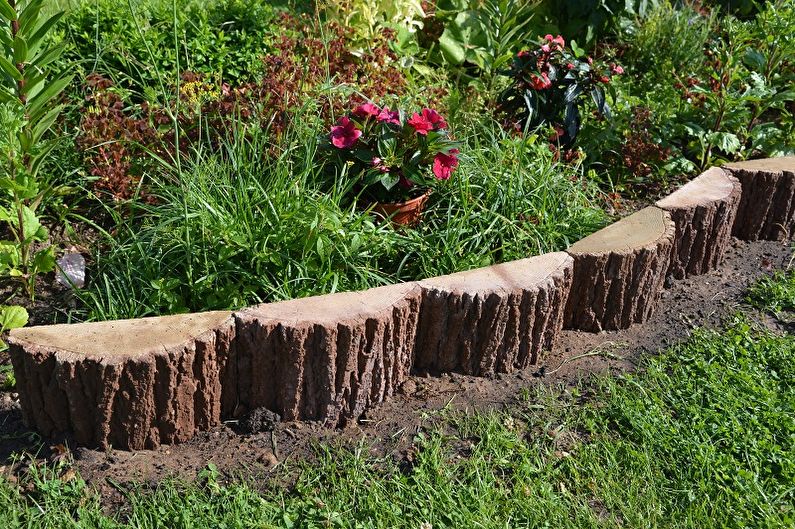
x=389 y=429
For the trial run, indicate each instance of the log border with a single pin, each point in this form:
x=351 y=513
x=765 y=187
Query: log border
x=190 y=388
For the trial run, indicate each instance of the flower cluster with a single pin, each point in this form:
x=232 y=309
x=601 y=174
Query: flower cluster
x=393 y=155
x=550 y=83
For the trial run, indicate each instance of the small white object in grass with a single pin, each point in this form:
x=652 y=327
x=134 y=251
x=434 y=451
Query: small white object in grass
x=72 y=270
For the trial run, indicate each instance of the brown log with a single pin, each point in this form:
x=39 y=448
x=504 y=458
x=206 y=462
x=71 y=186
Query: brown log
x=327 y=357
x=767 y=206
x=130 y=384
x=619 y=272
x=703 y=211
x=494 y=319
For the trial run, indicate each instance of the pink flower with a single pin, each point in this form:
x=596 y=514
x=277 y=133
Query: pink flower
x=389 y=116
x=378 y=163
x=570 y=65
x=435 y=118
x=549 y=38
x=445 y=164
x=559 y=41
x=366 y=110
x=616 y=69
x=421 y=124
x=344 y=134
x=545 y=48
x=540 y=83
x=523 y=53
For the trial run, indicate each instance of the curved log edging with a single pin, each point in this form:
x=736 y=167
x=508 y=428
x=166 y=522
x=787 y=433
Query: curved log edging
x=137 y=384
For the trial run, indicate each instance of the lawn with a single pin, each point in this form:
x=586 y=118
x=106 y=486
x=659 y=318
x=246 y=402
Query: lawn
x=702 y=436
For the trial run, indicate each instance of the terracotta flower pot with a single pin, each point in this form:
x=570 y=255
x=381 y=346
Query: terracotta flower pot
x=406 y=213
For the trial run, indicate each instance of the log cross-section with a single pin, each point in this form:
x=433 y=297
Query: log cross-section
x=328 y=357
x=767 y=206
x=494 y=319
x=703 y=211
x=619 y=272
x=131 y=384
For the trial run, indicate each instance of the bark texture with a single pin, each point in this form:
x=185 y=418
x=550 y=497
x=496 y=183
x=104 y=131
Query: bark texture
x=619 y=272
x=328 y=357
x=703 y=211
x=767 y=206
x=494 y=319
x=116 y=393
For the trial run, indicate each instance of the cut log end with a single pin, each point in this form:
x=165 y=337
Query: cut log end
x=131 y=384
x=493 y=319
x=767 y=206
x=619 y=272
x=330 y=357
x=703 y=211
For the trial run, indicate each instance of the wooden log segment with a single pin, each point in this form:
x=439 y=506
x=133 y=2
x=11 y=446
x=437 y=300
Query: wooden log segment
x=703 y=211
x=130 y=384
x=494 y=319
x=767 y=206
x=619 y=272
x=327 y=357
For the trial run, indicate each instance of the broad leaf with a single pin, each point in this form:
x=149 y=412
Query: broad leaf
x=725 y=141
x=7 y=11
x=13 y=316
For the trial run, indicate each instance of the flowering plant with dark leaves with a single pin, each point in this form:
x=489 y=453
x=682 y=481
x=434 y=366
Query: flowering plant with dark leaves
x=549 y=85
x=392 y=155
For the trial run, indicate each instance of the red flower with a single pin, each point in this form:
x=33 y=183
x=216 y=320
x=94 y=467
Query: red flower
x=540 y=83
x=523 y=53
x=344 y=134
x=389 y=116
x=570 y=65
x=435 y=118
x=445 y=164
x=421 y=124
x=605 y=79
x=366 y=110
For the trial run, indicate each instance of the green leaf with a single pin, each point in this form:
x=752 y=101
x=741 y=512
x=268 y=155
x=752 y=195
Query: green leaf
x=7 y=11
x=20 y=50
x=41 y=32
x=9 y=69
x=725 y=141
x=45 y=123
x=6 y=97
x=50 y=91
x=44 y=260
x=33 y=230
x=13 y=316
x=30 y=15
x=46 y=57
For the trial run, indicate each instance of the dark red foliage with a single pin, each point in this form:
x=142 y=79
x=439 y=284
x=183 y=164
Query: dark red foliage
x=639 y=152
x=116 y=133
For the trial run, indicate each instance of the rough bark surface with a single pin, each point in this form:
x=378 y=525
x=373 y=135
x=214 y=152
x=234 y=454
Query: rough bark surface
x=767 y=206
x=494 y=319
x=619 y=272
x=130 y=384
x=327 y=357
x=703 y=211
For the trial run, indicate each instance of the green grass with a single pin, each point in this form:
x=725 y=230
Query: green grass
x=775 y=294
x=703 y=437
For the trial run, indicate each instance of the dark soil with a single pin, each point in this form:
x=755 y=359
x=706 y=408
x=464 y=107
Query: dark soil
x=389 y=429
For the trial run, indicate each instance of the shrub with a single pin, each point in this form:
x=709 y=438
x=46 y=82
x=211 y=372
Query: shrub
x=548 y=86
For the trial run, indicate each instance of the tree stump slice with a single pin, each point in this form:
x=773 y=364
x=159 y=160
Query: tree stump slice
x=494 y=319
x=767 y=206
x=619 y=272
x=130 y=384
x=703 y=211
x=326 y=358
